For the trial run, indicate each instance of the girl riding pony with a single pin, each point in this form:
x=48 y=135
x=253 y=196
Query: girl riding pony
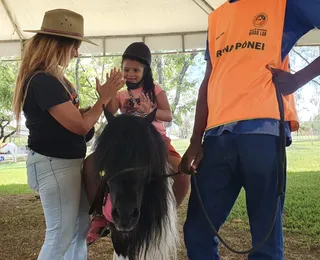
x=140 y=97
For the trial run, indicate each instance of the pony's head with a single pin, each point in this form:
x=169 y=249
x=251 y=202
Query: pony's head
x=132 y=155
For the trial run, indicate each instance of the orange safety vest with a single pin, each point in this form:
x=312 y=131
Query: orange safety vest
x=244 y=37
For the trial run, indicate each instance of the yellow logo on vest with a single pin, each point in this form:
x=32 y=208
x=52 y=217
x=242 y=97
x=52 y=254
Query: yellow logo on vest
x=259 y=21
x=241 y=45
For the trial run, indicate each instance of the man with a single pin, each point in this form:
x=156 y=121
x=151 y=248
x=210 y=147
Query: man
x=237 y=114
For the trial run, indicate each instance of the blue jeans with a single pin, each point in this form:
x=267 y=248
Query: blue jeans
x=230 y=162
x=64 y=203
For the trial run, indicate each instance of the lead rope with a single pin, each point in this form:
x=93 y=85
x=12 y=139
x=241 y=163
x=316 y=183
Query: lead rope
x=281 y=185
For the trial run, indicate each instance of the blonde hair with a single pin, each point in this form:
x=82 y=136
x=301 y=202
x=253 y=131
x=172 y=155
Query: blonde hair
x=46 y=53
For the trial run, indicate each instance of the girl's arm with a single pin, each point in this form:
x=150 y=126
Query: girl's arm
x=164 y=110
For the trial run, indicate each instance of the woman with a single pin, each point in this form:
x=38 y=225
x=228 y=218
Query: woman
x=140 y=98
x=58 y=131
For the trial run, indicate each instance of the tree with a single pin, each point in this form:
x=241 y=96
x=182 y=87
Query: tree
x=301 y=57
x=185 y=129
x=82 y=73
x=173 y=73
x=8 y=72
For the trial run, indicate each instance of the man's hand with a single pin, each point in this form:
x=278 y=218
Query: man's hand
x=286 y=82
x=191 y=158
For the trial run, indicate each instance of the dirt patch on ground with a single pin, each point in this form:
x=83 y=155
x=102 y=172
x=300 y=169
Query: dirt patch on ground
x=22 y=233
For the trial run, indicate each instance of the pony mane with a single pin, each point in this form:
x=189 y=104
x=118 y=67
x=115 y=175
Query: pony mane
x=129 y=141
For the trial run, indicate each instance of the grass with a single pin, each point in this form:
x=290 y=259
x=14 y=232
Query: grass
x=13 y=179
x=302 y=207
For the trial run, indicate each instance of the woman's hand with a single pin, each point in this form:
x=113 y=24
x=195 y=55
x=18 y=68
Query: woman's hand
x=112 y=85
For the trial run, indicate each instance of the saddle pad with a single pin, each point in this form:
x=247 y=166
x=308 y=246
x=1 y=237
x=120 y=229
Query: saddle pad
x=107 y=209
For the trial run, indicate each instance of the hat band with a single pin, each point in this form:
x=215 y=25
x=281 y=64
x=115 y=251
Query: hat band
x=62 y=32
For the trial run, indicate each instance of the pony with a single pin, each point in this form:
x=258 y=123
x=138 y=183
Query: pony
x=11 y=148
x=132 y=157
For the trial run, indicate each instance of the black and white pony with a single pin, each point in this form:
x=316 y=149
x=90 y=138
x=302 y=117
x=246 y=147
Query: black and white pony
x=133 y=157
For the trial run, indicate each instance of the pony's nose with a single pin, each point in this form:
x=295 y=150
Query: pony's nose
x=125 y=219
x=126 y=213
x=135 y=213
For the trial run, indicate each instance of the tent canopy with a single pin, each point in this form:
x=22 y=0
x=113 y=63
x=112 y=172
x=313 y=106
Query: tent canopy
x=164 y=25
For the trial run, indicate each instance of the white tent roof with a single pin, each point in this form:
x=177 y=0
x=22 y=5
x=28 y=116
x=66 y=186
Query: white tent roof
x=170 y=25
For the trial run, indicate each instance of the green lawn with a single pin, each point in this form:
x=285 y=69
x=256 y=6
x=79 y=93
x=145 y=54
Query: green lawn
x=13 y=179
x=302 y=207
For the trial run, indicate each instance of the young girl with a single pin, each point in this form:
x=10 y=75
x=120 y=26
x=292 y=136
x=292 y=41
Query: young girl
x=140 y=98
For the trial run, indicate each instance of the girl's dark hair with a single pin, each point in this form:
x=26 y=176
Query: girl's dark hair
x=148 y=82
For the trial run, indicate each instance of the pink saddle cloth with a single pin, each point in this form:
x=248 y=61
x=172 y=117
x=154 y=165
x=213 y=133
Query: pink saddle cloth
x=107 y=209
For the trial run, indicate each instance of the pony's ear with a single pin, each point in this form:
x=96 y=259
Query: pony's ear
x=109 y=116
x=150 y=117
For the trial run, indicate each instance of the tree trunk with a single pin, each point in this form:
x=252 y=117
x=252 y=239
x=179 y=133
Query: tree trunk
x=182 y=74
x=102 y=73
x=8 y=135
x=3 y=124
x=159 y=67
x=77 y=74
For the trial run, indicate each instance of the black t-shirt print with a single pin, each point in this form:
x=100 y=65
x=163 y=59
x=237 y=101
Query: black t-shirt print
x=74 y=97
x=130 y=106
x=46 y=135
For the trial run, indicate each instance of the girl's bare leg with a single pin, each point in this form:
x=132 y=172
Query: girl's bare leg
x=91 y=178
x=181 y=182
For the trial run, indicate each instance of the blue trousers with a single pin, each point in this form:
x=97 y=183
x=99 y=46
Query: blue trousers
x=64 y=203
x=230 y=162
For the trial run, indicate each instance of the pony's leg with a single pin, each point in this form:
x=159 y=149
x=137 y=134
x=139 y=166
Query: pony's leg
x=12 y=149
x=14 y=155
x=91 y=179
x=181 y=182
x=116 y=257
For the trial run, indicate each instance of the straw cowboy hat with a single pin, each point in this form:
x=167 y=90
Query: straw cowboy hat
x=63 y=22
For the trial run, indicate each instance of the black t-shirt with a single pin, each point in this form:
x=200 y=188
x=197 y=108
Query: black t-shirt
x=46 y=135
